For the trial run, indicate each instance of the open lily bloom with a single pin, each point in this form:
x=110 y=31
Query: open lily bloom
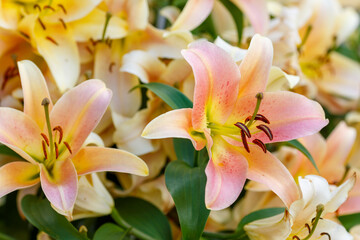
x=234 y=125
x=51 y=139
x=304 y=220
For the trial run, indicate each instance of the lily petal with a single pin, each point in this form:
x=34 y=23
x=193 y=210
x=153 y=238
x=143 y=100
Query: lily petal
x=174 y=124
x=216 y=82
x=60 y=187
x=255 y=67
x=268 y=170
x=226 y=175
x=97 y=159
x=193 y=14
x=34 y=90
x=17 y=175
x=79 y=110
x=20 y=133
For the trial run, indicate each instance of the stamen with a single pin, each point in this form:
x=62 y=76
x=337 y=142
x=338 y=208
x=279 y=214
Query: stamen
x=56 y=151
x=295 y=237
x=37 y=6
x=260 y=144
x=266 y=130
x=111 y=66
x=89 y=50
x=244 y=128
x=49 y=7
x=319 y=210
x=52 y=40
x=68 y=147
x=326 y=234
x=62 y=7
x=259 y=97
x=44 y=148
x=243 y=138
x=308 y=227
x=63 y=23
x=262 y=118
x=45 y=138
x=24 y=35
x=59 y=129
x=107 y=20
x=42 y=24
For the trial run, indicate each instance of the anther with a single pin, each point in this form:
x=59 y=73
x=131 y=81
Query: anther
x=266 y=130
x=49 y=7
x=260 y=144
x=295 y=237
x=62 y=22
x=56 y=151
x=93 y=42
x=37 y=6
x=24 y=35
x=308 y=227
x=89 y=50
x=52 y=40
x=244 y=128
x=62 y=8
x=59 y=129
x=44 y=149
x=45 y=138
x=68 y=147
x=111 y=66
x=243 y=138
x=326 y=234
x=262 y=118
x=41 y=24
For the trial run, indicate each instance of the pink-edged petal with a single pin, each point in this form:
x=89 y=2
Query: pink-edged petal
x=291 y=115
x=257 y=13
x=255 y=67
x=174 y=124
x=60 y=187
x=193 y=14
x=17 y=175
x=97 y=159
x=34 y=90
x=267 y=169
x=79 y=110
x=226 y=175
x=216 y=82
x=20 y=133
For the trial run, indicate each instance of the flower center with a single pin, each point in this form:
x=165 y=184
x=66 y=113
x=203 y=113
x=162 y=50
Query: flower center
x=52 y=148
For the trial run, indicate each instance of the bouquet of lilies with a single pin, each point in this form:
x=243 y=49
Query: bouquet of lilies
x=175 y=119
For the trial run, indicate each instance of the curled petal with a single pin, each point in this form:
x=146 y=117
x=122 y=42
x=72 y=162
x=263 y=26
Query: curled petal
x=97 y=159
x=17 y=175
x=60 y=187
x=268 y=170
x=34 y=90
x=226 y=175
x=174 y=124
x=79 y=110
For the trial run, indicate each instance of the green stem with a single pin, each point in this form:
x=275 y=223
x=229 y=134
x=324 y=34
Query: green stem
x=235 y=235
x=45 y=102
x=125 y=233
x=259 y=97
x=319 y=210
x=107 y=20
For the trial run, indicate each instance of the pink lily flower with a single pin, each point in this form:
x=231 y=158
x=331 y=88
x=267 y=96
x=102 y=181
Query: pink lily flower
x=234 y=125
x=50 y=137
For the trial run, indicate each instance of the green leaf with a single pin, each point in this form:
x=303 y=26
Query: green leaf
x=6 y=237
x=296 y=144
x=187 y=187
x=348 y=221
x=237 y=15
x=7 y=151
x=170 y=95
x=184 y=151
x=145 y=220
x=43 y=216
x=260 y=214
x=110 y=231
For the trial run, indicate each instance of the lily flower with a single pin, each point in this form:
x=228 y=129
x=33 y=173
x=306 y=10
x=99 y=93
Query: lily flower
x=305 y=218
x=51 y=137
x=234 y=125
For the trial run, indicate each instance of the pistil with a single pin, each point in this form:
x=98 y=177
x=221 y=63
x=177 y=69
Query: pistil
x=45 y=102
x=259 y=97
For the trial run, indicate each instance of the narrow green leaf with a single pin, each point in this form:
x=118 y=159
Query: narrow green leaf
x=187 y=187
x=110 y=231
x=260 y=214
x=296 y=144
x=6 y=237
x=170 y=95
x=349 y=221
x=145 y=220
x=237 y=15
x=184 y=151
x=7 y=151
x=43 y=216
